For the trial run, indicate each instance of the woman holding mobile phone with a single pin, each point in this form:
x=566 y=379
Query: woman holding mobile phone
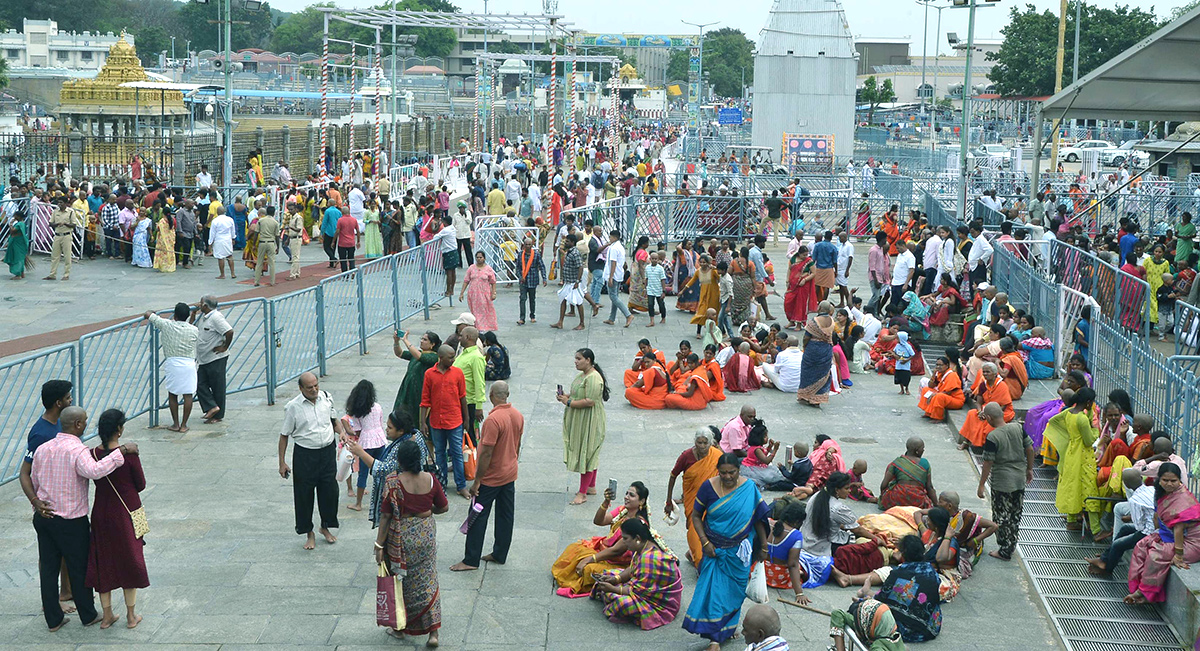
x=579 y=564
x=584 y=422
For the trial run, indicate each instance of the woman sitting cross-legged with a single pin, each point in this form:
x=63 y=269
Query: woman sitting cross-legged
x=789 y=566
x=649 y=391
x=1176 y=543
x=941 y=392
x=649 y=591
x=692 y=391
x=576 y=566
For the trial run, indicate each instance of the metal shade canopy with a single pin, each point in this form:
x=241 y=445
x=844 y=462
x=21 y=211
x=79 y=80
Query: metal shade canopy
x=1157 y=79
x=374 y=18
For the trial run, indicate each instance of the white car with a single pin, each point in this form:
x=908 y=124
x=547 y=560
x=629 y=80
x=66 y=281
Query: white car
x=1074 y=153
x=1119 y=156
x=992 y=151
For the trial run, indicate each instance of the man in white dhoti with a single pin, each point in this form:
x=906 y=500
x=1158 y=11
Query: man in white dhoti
x=179 y=366
x=220 y=240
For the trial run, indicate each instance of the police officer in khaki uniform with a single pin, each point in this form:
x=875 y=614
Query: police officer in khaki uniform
x=63 y=221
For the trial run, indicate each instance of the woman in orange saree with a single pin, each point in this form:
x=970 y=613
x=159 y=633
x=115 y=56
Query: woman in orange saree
x=650 y=390
x=942 y=392
x=697 y=465
x=716 y=381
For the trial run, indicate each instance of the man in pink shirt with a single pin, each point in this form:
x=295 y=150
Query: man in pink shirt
x=347 y=237
x=879 y=269
x=62 y=467
x=737 y=430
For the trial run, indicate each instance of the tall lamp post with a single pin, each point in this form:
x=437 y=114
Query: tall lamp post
x=226 y=23
x=971 y=5
x=700 y=75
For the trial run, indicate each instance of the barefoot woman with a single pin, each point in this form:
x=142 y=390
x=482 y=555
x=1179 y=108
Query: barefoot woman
x=584 y=422
x=1176 y=543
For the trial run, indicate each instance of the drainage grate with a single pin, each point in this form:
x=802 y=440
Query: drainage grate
x=1107 y=610
x=1093 y=645
x=1043 y=484
x=1053 y=536
x=1038 y=508
x=1040 y=494
x=1098 y=589
x=1096 y=629
x=1033 y=551
x=1050 y=521
x=1059 y=570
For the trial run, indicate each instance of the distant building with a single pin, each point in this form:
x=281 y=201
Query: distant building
x=41 y=45
x=943 y=75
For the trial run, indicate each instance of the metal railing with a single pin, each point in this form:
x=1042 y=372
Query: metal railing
x=275 y=340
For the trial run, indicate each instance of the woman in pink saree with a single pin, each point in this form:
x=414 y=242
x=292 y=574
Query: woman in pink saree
x=862 y=225
x=826 y=459
x=1176 y=543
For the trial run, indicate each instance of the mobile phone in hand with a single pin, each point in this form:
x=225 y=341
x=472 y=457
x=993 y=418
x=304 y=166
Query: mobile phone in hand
x=612 y=486
x=788 y=456
x=560 y=390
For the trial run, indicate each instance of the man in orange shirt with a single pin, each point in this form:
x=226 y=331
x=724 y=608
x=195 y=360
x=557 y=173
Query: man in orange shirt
x=443 y=412
x=495 y=479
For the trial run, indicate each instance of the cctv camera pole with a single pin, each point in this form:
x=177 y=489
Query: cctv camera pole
x=966 y=119
x=392 y=96
x=227 y=163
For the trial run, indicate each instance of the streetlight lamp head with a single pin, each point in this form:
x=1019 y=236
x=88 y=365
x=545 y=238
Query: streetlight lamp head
x=952 y=37
x=252 y=5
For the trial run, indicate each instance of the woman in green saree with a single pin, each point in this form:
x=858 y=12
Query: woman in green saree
x=17 y=254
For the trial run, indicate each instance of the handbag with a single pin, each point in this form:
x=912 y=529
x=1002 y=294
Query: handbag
x=141 y=526
x=470 y=458
x=389 y=599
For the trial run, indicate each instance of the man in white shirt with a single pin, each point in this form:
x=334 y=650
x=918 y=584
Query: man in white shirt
x=203 y=178
x=512 y=190
x=1133 y=520
x=845 y=259
x=357 y=200
x=446 y=237
x=309 y=422
x=980 y=256
x=784 y=374
x=929 y=260
x=614 y=273
x=902 y=272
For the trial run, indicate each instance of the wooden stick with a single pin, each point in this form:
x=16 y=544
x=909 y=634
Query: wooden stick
x=800 y=605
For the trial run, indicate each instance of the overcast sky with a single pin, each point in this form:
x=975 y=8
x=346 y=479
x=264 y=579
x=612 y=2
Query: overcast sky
x=868 y=18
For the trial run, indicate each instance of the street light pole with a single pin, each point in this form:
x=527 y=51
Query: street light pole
x=924 y=57
x=227 y=163
x=392 y=95
x=700 y=73
x=173 y=46
x=937 y=69
x=966 y=119
x=1075 y=64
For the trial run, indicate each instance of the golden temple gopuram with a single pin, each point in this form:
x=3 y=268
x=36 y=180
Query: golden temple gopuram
x=100 y=107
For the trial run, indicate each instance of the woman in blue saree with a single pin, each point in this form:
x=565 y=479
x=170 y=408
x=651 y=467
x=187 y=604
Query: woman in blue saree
x=731 y=517
x=816 y=365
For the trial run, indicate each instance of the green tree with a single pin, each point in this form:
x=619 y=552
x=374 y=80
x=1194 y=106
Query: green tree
x=874 y=94
x=727 y=53
x=250 y=29
x=505 y=47
x=1026 y=60
x=151 y=41
x=677 y=66
x=3 y=73
x=1179 y=11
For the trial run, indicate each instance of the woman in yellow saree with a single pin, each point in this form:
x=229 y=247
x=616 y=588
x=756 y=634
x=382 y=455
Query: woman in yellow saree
x=581 y=559
x=697 y=464
x=1072 y=433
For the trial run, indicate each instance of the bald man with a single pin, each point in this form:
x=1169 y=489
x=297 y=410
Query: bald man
x=495 y=479
x=760 y=627
x=908 y=479
x=309 y=422
x=60 y=472
x=1008 y=456
x=443 y=412
x=737 y=430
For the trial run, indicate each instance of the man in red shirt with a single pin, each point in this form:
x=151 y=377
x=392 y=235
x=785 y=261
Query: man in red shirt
x=347 y=237
x=443 y=412
x=495 y=479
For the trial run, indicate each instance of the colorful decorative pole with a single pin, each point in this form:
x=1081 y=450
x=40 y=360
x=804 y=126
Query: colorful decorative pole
x=324 y=92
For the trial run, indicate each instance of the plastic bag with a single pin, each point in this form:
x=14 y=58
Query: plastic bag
x=756 y=589
x=345 y=464
x=470 y=457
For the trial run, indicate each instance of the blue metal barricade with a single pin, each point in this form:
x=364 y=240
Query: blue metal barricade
x=434 y=277
x=21 y=400
x=296 y=336
x=410 y=283
x=340 y=307
x=1187 y=329
x=378 y=280
x=118 y=368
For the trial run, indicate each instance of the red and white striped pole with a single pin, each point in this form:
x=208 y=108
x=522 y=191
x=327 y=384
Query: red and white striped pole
x=353 y=91
x=493 y=95
x=570 y=129
x=324 y=93
x=613 y=121
x=553 y=99
x=378 y=115
x=478 y=91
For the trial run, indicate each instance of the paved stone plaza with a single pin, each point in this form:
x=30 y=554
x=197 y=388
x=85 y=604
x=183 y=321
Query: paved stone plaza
x=227 y=571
